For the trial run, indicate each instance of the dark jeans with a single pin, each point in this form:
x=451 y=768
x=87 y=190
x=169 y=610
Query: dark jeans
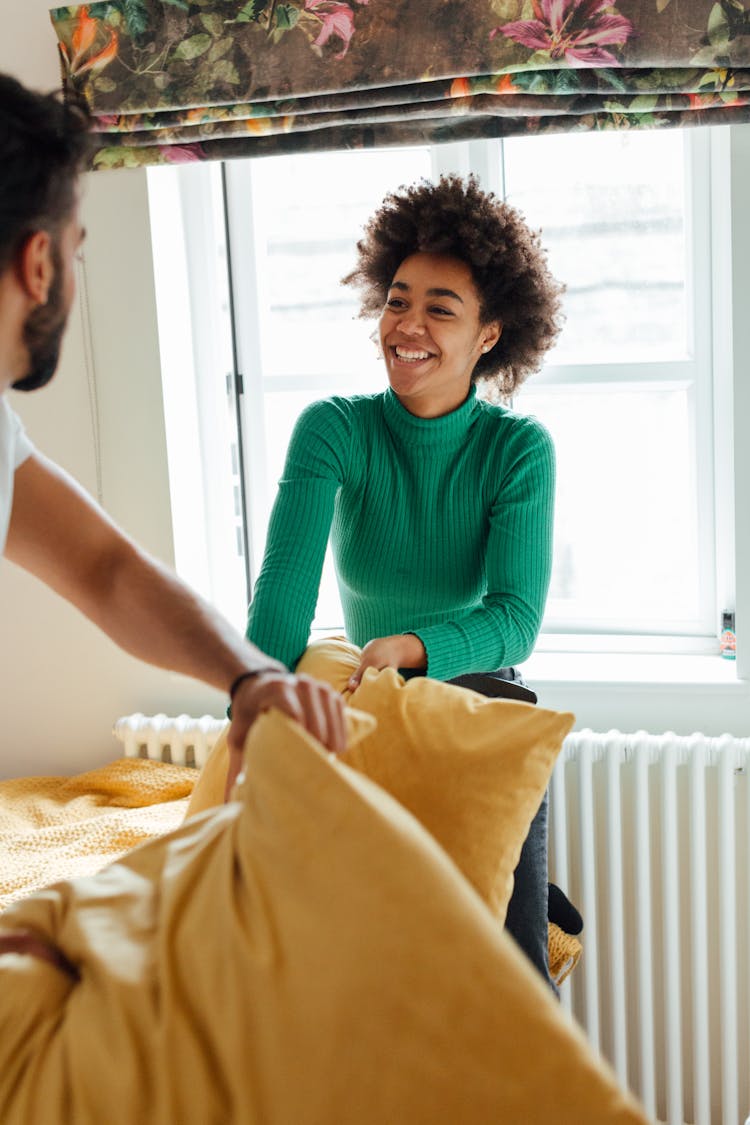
x=526 y=920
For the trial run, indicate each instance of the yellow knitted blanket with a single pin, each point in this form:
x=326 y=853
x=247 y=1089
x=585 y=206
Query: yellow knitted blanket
x=54 y=828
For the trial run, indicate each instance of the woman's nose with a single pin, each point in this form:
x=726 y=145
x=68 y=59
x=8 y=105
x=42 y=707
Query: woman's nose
x=412 y=324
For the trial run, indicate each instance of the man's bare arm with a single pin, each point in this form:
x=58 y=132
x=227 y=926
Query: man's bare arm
x=60 y=535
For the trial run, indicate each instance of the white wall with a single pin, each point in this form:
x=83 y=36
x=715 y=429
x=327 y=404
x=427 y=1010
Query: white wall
x=64 y=683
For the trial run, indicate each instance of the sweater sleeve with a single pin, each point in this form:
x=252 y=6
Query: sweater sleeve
x=286 y=591
x=518 y=564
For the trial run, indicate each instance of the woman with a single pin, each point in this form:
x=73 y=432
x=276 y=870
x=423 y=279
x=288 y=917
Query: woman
x=439 y=504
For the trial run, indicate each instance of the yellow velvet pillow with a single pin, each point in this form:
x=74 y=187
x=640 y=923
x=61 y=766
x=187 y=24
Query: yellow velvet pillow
x=302 y=956
x=473 y=770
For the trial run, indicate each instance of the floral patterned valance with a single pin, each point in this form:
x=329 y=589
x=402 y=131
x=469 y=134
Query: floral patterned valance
x=172 y=80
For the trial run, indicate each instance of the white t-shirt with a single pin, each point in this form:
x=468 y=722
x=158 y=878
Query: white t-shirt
x=15 y=447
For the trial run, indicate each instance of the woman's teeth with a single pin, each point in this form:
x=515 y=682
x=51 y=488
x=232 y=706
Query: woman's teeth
x=406 y=353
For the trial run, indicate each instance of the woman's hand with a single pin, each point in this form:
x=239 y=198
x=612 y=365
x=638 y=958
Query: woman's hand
x=403 y=650
x=315 y=705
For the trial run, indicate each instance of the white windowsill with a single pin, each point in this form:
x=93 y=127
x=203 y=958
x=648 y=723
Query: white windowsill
x=646 y=670
x=626 y=669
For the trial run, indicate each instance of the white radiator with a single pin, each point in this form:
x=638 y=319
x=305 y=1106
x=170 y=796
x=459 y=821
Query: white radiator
x=649 y=837
x=182 y=740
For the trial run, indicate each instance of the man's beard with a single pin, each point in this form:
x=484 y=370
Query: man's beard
x=43 y=332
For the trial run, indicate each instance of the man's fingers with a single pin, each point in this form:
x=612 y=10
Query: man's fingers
x=25 y=941
x=287 y=699
x=266 y=691
x=314 y=705
x=324 y=714
x=338 y=744
x=314 y=712
x=235 y=765
x=335 y=723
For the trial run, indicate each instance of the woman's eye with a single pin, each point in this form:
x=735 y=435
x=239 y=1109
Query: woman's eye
x=395 y=303
x=440 y=311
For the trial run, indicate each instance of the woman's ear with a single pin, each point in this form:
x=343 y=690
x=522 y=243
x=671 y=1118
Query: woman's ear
x=490 y=335
x=34 y=266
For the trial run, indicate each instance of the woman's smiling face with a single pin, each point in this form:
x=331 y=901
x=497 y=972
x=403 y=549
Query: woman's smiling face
x=432 y=334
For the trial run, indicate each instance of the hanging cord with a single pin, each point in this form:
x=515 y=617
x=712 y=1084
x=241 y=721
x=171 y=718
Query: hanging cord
x=85 y=311
x=88 y=356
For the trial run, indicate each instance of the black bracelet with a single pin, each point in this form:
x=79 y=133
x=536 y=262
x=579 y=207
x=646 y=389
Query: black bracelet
x=245 y=676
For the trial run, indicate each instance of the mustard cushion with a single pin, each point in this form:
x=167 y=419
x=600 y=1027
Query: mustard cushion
x=302 y=956
x=473 y=770
x=332 y=659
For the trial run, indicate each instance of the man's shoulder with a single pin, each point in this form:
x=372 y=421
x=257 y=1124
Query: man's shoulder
x=14 y=442
x=9 y=420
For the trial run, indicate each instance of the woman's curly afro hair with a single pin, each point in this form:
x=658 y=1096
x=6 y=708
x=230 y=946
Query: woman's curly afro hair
x=507 y=262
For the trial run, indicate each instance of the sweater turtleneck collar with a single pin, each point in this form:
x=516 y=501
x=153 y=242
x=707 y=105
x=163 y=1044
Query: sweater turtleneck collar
x=447 y=430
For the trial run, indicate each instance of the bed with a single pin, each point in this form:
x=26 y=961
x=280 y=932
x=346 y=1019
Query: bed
x=54 y=828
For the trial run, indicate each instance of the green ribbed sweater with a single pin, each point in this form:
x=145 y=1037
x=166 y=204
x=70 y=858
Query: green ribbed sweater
x=440 y=527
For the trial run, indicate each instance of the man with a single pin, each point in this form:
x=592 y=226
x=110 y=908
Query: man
x=48 y=524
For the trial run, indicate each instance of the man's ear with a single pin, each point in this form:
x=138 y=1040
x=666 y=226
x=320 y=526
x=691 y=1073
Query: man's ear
x=34 y=266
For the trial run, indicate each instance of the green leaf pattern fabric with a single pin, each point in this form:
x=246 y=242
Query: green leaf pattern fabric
x=171 y=81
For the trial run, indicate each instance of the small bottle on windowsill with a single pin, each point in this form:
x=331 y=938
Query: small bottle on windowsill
x=727 y=639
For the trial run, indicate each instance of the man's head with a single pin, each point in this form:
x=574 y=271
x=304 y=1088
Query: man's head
x=43 y=146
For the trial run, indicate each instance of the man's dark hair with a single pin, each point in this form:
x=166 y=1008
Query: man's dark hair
x=507 y=262
x=44 y=143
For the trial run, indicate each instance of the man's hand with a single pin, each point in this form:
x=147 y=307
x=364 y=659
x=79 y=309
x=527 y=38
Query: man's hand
x=316 y=706
x=402 y=650
x=26 y=942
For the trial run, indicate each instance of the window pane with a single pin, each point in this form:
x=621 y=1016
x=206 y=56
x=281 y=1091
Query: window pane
x=611 y=207
x=618 y=215
x=310 y=211
x=626 y=531
x=281 y=412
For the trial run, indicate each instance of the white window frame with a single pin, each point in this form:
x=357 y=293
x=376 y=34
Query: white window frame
x=695 y=370
x=626 y=685
x=249 y=272
x=196 y=347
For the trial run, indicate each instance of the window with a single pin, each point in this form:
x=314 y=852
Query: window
x=196 y=344
x=626 y=393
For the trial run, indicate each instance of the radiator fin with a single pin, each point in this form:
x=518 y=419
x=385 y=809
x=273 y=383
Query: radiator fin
x=181 y=740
